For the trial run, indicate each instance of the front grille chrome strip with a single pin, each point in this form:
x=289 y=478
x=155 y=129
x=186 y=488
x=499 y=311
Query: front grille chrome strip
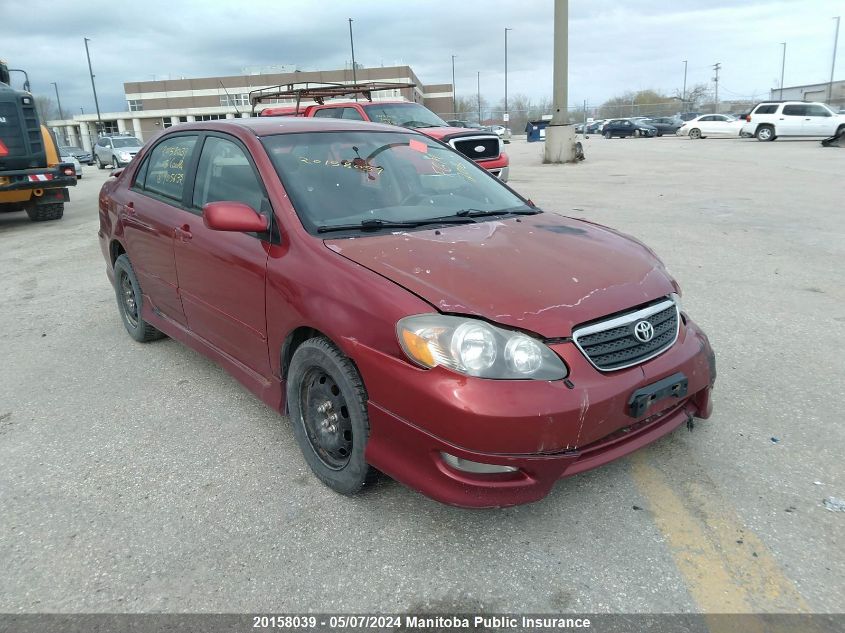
x=624 y=320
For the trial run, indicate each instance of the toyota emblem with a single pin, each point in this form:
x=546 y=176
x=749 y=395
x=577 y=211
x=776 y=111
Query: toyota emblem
x=479 y=148
x=644 y=331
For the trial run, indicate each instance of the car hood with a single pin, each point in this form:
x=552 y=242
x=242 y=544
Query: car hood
x=544 y=273
x=449 y=133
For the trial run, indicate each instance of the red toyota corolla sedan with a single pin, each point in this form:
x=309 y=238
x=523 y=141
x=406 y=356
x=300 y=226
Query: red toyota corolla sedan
x=408 y=311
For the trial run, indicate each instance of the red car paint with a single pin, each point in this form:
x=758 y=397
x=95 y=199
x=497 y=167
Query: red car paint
x=499 y=166
x=241 y=301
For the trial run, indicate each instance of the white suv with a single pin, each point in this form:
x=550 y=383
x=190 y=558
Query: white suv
x=768 y=120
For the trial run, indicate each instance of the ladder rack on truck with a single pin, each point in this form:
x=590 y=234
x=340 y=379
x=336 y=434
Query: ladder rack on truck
x=321 y=92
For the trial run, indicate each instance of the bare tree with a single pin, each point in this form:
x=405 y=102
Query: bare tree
x=46 y=108
x=695 y=96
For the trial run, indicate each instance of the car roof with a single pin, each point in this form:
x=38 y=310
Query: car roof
x=271 y=125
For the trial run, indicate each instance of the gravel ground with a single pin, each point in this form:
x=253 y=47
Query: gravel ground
x=143 y=478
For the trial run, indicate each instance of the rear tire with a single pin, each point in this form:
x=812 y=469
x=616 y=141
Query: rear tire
x=695 y=133
x=327 y=406
x=46 y=212
x=765 y=133
x=130 y=300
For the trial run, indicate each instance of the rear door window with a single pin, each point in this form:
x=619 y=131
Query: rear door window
x=795 y=109
x=167 y=167
x=328 y=113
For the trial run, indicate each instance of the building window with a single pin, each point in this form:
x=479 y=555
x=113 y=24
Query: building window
x=108 y=128
x=135 y=105
x=234 y=100
x=210 y=117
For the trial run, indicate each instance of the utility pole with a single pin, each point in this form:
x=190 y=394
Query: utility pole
x=352 y=46
x=717 y=67
x=684 y=93
x=506 y=117
x=833 y=62
x=94 y=88
x=479 y=97
x=560 y=137
x=782 y=68
x=454 y=92
x=59 y=101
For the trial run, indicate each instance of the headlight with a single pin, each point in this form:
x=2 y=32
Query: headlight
x=477 y=348
x=125 y=156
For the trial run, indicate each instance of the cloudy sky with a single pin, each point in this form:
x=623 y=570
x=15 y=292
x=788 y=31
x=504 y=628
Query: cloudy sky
x=615 y=45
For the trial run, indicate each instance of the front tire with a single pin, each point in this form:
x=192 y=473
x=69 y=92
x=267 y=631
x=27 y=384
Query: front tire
x=100 y=164
x=46 y=212
x=608 y=135
x=636 y=134
x=327 y=405
x=115 y=163
x=130 y=300
x=765 y=133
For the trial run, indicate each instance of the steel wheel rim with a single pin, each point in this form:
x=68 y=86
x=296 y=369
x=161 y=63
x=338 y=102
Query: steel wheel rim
x=127 y=300
x=325 y=418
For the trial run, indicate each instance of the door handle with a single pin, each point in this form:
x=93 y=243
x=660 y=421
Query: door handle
x=129 y=208
x=183 y=232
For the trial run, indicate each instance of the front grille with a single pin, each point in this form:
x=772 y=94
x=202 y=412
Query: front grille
x=477 y=147
x=612 y=344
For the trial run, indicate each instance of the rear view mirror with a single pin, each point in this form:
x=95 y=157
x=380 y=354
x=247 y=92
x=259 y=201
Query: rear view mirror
x=233 y=216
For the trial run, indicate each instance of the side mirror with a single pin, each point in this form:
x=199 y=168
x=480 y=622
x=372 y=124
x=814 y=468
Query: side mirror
x=233 y=216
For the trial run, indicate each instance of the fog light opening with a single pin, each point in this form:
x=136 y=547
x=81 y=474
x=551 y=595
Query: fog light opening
x=467 y=466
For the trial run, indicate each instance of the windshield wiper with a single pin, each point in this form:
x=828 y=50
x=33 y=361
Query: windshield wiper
x=376 y=224
x=476 y=213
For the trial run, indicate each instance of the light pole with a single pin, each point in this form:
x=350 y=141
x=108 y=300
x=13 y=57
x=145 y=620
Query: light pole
x=833 y=62
x=560 y=136
x=59 y=101
x=352 y=46
x=684 y=93
x=94 y=88
x=782 y=68
x=479 y=97
x=454 y=93
x=506 y=116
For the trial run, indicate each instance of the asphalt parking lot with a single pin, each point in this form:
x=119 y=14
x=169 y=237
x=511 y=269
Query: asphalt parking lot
x=143 y=478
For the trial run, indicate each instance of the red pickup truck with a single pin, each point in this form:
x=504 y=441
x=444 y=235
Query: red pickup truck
x=484 y=148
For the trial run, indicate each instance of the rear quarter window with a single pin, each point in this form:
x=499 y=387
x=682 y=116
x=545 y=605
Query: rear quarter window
x=766 y=109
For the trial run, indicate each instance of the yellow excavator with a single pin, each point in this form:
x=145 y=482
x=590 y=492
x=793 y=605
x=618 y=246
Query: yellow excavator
x=32 y=176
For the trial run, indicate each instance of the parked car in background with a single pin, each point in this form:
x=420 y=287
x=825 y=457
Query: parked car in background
x=70 y=158
x=457 y=123
x=116 y=150
x=394 y=300
x=664 y=125
x=769 y=120
x=77 y=152
x=596 y=126
x=710 y=125
x=627 y=127
x=689 y=116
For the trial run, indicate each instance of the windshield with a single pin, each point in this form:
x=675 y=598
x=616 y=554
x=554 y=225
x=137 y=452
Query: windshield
x=346 y=178
x=405 y=114
x=126 y=142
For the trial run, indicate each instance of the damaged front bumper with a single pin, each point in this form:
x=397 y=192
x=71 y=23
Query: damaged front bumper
x=482 y=443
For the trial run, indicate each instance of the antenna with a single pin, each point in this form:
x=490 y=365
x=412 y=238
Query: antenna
x=235 y=105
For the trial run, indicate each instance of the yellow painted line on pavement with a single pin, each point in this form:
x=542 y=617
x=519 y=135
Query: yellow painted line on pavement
x=722 y=575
